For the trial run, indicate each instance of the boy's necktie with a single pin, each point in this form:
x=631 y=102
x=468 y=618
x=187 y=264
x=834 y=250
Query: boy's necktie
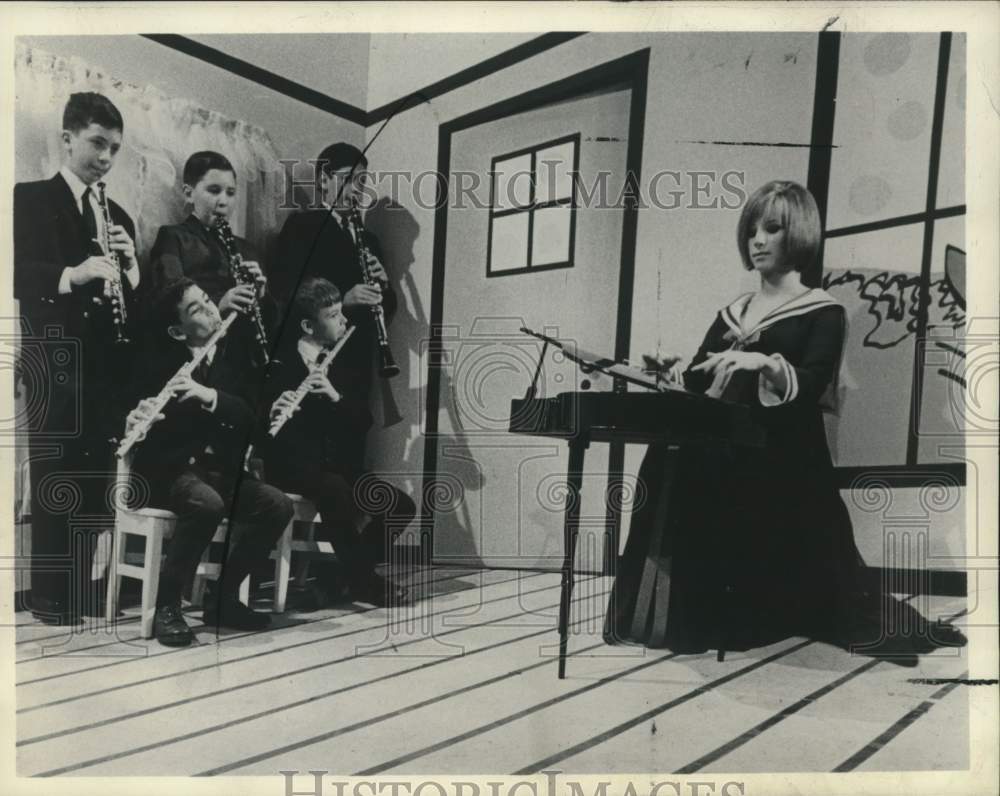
x=90 y=222
x=345 y=224
x=201 y=372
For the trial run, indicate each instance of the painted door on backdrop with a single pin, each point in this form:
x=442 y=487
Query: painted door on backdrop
x=505 y=268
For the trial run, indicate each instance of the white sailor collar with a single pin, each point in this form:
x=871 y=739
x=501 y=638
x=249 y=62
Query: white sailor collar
x=800 y=305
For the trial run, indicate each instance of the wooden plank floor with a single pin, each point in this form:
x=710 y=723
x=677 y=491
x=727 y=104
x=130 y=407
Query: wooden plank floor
x=471 y=667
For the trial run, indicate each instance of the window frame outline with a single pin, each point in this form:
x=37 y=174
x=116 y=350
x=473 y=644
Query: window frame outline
x=532 y=206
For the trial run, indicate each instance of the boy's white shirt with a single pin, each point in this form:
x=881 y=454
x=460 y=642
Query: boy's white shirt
x=77 y=187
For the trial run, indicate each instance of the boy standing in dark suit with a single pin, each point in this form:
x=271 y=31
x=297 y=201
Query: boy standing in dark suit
x=319 y=451
x=320 y=243
x=191 y=461
x=60 y=278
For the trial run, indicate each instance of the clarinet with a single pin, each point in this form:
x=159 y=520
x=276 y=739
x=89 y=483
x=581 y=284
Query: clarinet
x=322 y=363
x=113 y=289
x=139 y=431
x=243 y=276
x=387 y=365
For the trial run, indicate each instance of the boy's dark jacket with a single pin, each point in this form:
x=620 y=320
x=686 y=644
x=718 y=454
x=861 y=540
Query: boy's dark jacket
x=49 y=236
x=191 y=436
x=312 y=244
x=323 y=436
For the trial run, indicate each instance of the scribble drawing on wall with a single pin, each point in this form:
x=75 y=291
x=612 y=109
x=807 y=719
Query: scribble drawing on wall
x=893 y=298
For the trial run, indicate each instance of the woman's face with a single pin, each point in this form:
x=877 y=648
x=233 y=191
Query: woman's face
x=766 y=245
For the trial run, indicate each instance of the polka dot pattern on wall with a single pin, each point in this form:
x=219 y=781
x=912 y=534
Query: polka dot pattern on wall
x=869 y=194
x=907 y=121
x=886 y=53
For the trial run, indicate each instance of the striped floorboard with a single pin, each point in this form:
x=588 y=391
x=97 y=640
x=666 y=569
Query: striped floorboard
x=471 y=668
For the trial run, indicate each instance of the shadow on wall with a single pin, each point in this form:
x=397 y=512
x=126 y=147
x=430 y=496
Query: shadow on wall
x=404 y=397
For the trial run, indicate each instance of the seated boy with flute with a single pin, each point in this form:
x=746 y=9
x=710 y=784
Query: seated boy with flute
x=191 y=460
x=315 y=446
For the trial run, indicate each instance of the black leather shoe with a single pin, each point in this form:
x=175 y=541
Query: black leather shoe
x=381 y=592
x=54 y=612
x=60 y=618
x=317 y=596
x=234 y=614
x=331 y=587
x=947 y=635
x=170 y=628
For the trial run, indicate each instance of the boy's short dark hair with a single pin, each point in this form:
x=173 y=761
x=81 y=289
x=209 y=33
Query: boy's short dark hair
x=166 y=305
x=313 y=295
x=339 y=156
x=200 y=163
x=85 y=108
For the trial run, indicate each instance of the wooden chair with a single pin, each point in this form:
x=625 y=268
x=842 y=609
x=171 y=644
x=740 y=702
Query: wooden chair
x=211 y=570
x=155 y=526
x=305 y=512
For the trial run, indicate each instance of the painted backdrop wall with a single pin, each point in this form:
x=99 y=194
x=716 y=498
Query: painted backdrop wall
x=743 y=103
x=717 y=103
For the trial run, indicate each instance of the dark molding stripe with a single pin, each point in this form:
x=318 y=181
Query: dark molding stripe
x=896 y=476
x=821 y=138
x=346 y=110
x=263 y=77
x=916 y=396
x=435 y=350
x=897 y=221
x=515 y=55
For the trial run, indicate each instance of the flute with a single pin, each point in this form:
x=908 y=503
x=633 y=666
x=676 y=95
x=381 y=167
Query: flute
x=139 y=431
x=322 y=363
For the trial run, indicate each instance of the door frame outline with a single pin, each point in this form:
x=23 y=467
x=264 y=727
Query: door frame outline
x=630 y=71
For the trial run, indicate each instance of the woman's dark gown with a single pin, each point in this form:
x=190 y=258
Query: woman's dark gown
x=735 y=547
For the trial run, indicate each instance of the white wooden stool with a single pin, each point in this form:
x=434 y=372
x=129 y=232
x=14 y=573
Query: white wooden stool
x=305 y=511
x=155 y=526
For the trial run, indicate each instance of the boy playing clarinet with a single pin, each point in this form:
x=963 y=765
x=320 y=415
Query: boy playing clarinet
x=62 y=275
x=195 y=249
